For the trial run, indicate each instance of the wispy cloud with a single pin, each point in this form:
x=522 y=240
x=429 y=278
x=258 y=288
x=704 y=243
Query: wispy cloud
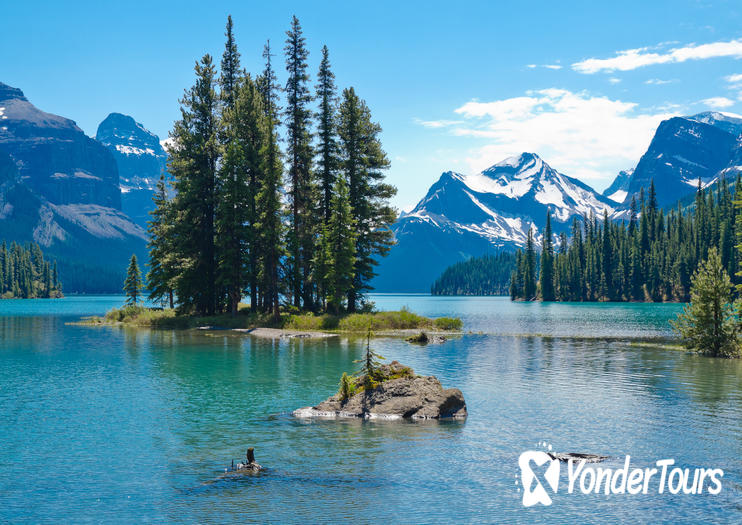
x=614 y=80
x=658 y=81
x=718 y=102
x=631 y=59
x=436 y=124
x=547 y=66
x=585 y=136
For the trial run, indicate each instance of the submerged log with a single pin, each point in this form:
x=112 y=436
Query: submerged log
x=250 y=465
x=577 y=456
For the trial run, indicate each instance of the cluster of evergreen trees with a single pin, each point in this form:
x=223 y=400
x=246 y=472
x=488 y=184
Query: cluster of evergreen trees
x=649 y=257
x=25 y=274
x=485 y=275
x=234 y=227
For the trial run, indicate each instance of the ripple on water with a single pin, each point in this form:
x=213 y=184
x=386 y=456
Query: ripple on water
x=130 y=424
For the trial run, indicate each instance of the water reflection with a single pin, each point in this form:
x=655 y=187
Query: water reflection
x=137 y=420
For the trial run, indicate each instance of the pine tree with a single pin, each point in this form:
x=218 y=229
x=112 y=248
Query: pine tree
x=546 y=280
x=362 y=162
x=193 y=165
x=230 y=74
x=529 y=267
x=299 y=153
x=369 y=364
x=162 y=264
x=338 y=247
x=25 y=274
x=327 y=148
x=269 y=223
x=241 y=175
x=133 y=282
x=709 y=324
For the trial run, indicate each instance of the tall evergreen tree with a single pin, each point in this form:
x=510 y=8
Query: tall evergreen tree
x=338 y=247
x=193 y=164
x=230 y=74
x=133 y=282
x=242 y=172
x=327 y=149
x=362 y=162
x=299 y=155
x=268 y=202
x=529 y=267
x=162 y=263
x=547 y=263
x=25 y=274
x=709 y=323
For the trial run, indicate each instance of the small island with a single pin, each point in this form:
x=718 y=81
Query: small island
x=401 y=323
x=388 y=391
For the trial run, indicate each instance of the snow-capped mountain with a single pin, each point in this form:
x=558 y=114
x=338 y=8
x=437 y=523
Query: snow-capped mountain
x=60 y=189
x=684 y=150
x=468 y=215
x=140 y=158
x=728 y=123
x=618 y=190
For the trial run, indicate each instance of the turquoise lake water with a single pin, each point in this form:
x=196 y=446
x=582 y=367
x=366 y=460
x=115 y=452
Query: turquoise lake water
x=121 y=425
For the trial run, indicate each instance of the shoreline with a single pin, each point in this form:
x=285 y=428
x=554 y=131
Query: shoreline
x=265 y=332
x=402 y=323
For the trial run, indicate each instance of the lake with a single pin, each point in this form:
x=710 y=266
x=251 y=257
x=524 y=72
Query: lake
x=108 y=424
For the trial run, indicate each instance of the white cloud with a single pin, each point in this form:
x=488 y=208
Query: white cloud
x=734 y=79
x=435 y=124
x=631 y=59
x=718 y=102
x=584 y=136
x=658 y=81
x=547 y=66
x=614 y=80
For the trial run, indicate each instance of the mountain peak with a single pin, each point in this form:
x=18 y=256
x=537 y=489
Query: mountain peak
x=728 y=122
x=120 y=128
x=10 y=93
x=516 y=161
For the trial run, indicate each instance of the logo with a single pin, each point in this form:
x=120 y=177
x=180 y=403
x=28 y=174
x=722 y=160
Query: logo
x=540 y=476
x=547 y=468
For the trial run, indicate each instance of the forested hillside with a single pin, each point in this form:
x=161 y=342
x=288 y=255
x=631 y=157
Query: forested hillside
x=24 y=273
x=650 y=257
x=485 y=275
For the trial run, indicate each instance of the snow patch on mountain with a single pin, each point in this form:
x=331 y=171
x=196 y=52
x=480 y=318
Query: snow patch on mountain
x=618 y=196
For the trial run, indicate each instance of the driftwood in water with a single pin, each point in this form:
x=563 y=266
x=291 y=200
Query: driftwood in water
x=577 y=456
x=250 y=465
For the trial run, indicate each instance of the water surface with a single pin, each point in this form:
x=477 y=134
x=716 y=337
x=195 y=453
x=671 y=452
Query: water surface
x=121 y=425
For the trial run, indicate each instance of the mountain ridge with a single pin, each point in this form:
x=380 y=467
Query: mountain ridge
x=60 y=189
x=466 y=215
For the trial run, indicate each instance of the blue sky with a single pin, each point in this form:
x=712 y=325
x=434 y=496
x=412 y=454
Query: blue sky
x=455 y=86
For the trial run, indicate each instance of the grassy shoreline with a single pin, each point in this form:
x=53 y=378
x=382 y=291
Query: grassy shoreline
x=384 y=321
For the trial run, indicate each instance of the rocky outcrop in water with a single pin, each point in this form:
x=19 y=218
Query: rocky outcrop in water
x=403 y=395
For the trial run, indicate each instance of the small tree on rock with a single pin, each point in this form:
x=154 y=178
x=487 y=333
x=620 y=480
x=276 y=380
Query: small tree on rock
x=709 y=323
x=133 y=282
x=370 y=364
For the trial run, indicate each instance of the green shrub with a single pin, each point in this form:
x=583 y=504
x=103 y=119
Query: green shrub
x=421 y=338
x=347 y=387
x=448 y=323
x=311 y=321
